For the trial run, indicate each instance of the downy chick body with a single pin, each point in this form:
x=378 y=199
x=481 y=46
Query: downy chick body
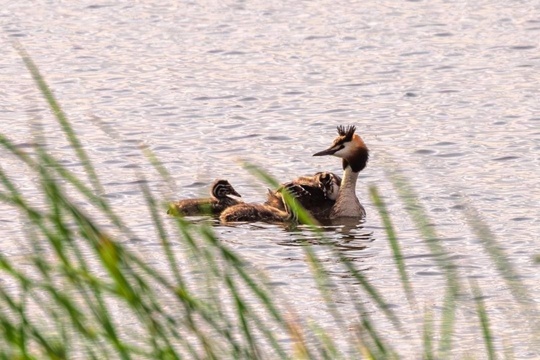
x=219 y=201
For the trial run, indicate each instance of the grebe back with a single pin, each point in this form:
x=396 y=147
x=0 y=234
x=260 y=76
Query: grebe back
x=316 y=194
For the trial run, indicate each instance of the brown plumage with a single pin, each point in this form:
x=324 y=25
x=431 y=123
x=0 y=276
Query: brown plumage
x=255 y=212
x=220 y=200
x=316 y=194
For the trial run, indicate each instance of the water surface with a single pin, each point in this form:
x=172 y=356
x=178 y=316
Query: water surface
x=446 y=91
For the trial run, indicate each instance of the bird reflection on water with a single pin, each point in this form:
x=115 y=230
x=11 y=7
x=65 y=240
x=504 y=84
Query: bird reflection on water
x=346 y=234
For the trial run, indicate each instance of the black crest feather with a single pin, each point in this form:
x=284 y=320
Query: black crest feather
x=346 y=131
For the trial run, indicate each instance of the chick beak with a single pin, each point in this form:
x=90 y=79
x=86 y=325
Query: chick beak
x=233 y=192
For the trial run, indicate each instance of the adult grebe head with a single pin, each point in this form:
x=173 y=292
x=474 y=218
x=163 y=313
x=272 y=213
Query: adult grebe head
x=350 y=147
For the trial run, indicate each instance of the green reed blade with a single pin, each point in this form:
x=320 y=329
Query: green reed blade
x=242 y=312
x=193 y=308
x=151 y=204
x=329 y=349
x=303 y=216
x=157 y=164
x=21 y=333
x=60 y=116
x=47 y=160
x=373 y=345
x=484 y=319
x=448 y=320
x=60 y=205
x=422 y=222
x=392 y=239
x=261 y=174
x=506 y=270
x=499 y=258
x=427 y=336
x=324 y=283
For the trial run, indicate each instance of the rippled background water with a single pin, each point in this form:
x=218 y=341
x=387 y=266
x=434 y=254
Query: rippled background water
x=448 y=91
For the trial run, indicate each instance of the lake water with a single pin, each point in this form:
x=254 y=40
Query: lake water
x=446 y=91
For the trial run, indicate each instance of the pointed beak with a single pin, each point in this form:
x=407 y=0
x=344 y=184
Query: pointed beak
x=233 y=192
x=329 y=151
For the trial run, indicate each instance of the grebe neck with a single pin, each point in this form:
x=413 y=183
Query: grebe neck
x=347 y=204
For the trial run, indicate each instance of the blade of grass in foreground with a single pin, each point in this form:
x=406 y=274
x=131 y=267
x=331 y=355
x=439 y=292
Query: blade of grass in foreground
x=394 y=244
x=434 y=243
x=160 y=231
x=499 y=258
x=329 y=349
x=372 y=345
x=484 y=319
x=46 y=159
x=527 y=305
x=427 y=336
x=60 y=116
x=303 y=216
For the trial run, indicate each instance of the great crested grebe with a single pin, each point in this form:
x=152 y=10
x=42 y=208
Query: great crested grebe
x=317 y=194
x=354 y=152
x=220 y=200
